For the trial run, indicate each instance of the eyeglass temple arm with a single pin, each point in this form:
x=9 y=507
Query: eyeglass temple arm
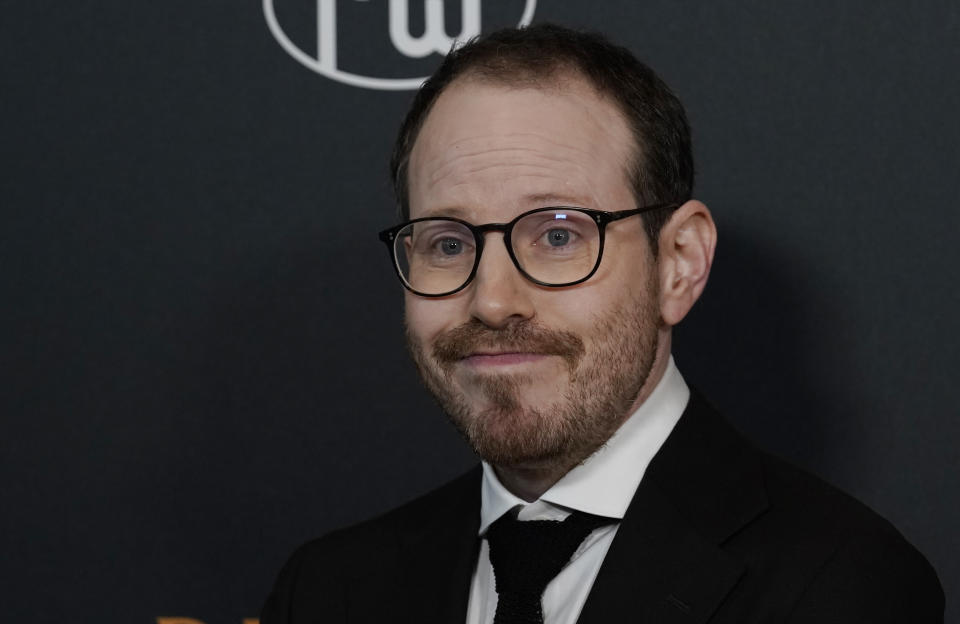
x=623 y=214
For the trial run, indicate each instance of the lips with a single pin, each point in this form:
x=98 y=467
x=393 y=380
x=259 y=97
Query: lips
x=512 y=350
x=473 y=342
x=503 y=358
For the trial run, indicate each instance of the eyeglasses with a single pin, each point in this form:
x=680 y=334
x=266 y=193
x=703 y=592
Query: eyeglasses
x=557 y=246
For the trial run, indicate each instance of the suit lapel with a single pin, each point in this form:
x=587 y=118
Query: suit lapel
x=659 y=569
x=442 y=554
x=666 y=563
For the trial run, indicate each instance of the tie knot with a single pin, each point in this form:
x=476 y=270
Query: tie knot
x=527 y=555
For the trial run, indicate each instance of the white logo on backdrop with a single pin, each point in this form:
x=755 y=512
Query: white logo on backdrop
x=433 y=39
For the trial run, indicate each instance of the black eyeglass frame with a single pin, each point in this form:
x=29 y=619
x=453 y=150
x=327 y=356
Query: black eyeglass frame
x=600 y=217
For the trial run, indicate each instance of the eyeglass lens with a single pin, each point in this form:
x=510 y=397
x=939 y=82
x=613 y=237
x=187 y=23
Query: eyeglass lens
x=553 y=246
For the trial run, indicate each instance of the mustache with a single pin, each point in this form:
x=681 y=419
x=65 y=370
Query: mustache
x=524 y=337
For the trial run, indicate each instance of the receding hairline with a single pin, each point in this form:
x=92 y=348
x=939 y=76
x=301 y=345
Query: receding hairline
x=552 y=75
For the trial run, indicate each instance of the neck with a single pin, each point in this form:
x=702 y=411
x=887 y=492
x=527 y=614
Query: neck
x=530 y=480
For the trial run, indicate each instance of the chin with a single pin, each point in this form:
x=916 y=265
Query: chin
x=516 y=436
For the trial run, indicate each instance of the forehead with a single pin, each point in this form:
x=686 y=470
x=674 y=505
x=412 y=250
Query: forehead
x=488 y=150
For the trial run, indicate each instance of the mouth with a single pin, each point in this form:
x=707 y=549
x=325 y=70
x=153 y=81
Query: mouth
x=478 y=348
x=502 y=358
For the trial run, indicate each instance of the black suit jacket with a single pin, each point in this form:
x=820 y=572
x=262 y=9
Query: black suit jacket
x=717 y=532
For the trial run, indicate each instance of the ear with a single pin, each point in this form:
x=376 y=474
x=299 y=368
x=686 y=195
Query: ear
x=685 y=253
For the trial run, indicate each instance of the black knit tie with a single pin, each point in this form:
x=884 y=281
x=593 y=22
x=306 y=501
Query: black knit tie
x=527 y=555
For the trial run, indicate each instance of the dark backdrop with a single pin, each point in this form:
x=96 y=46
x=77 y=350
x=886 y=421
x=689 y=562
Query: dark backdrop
x=201 y=350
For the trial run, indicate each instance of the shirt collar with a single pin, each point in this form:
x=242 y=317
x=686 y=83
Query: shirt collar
x=604 y=484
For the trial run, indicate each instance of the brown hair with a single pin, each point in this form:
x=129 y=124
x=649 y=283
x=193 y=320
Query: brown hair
x=662 y=169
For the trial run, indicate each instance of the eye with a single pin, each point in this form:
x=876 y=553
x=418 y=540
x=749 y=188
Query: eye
x=553 y=232
x=441 y=238
x=450 y=246
x=558 y=237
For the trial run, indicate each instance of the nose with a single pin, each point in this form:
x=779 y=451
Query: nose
x=499 y=294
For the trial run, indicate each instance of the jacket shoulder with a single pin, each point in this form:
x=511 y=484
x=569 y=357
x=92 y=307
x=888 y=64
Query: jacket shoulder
x=438 y=507
x=856 y=559
x=317 y=576
x=828 y=556
x=807 y=549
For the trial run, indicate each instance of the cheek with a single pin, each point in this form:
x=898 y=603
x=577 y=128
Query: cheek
x=427 y=318
x=611 y=297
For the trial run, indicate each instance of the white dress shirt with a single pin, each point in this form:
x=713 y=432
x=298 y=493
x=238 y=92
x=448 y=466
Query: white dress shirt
x=603 y=485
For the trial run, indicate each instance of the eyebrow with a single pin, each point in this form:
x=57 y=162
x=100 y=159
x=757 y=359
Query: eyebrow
x=449 y=211
x=540 y=200
x=552 y=199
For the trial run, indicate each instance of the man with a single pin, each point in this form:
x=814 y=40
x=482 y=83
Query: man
x=549 y=245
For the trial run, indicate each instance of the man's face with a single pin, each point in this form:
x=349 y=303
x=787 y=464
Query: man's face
x=532 y=374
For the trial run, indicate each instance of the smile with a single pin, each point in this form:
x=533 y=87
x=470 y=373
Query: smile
x=503 y=358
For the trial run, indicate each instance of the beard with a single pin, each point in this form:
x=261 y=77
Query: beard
x=602 y=385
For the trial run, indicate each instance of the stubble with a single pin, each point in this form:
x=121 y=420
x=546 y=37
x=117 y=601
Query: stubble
x=603 y=383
